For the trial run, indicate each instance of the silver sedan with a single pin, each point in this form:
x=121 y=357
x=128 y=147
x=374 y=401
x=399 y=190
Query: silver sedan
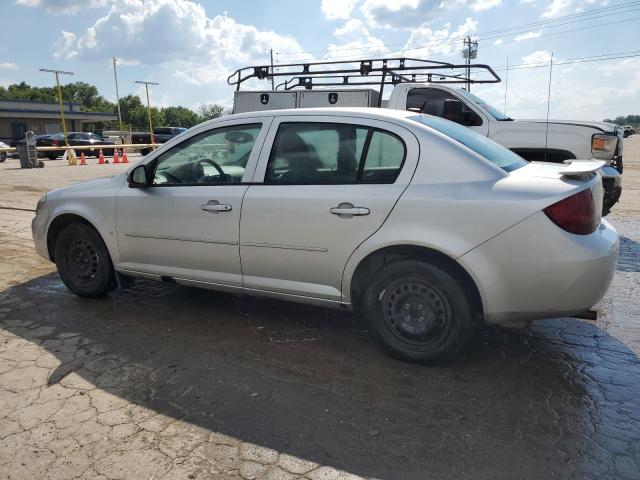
x=427 y=228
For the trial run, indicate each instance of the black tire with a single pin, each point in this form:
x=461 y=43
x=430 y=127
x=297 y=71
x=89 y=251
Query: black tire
x=3 y=156
x=419 y=312
x=145 y=151
x=52 y=156
x=83 y=261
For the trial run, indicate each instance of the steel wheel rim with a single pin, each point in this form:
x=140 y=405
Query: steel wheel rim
x=82 y=260
x=417 y=312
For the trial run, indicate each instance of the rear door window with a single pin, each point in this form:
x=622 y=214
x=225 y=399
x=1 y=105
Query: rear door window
x=384 y=159
x=307 y=153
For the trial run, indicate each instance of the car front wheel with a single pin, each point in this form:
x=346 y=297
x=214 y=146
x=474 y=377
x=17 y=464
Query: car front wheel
x=83 y=261
x=419 y=312
x=3 y=156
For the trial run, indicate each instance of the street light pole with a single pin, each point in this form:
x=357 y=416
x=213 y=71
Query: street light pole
x=146 y=86
x=71 y=159
x=115 y=76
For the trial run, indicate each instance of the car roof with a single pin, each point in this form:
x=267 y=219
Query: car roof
x=362 y=112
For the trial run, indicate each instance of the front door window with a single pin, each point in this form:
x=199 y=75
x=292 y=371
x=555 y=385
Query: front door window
x=215 y=157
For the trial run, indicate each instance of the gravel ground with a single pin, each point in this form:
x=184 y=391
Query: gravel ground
x=170 y=382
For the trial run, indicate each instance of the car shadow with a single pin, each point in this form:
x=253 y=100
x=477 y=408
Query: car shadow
x=558 y=400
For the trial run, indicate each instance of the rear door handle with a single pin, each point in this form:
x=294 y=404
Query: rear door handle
x=347 y=210
x=213 y=206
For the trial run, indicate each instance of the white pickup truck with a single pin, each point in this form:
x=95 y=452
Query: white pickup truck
x=534 y=140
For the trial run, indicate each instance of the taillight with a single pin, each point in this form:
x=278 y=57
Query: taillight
x=54 y=142
x=575 y=214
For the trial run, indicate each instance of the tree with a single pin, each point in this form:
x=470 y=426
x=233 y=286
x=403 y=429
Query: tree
x=180 y=117
x=210 y=111
x=633 y=120
x=134 y=112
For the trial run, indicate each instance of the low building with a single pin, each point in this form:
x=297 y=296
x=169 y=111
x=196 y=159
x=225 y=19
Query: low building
x=19 y=116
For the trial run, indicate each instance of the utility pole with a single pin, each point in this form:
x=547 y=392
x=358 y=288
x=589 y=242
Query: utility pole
x=146 y=86
x=272 y=84
x=70 y=157
x=469 y=52
x=115 y=76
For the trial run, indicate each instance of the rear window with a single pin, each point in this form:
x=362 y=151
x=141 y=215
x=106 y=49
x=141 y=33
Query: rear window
x=497 y=154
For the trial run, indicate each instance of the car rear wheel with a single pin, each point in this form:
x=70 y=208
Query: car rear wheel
x=419 y=312
x=83 y=261
x=3 y=156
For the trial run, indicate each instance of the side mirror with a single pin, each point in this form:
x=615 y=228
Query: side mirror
x=453 y=110
x=138 y=177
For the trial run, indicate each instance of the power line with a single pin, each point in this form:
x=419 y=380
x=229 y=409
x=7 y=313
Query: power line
x=559 y=21
x=392 y=52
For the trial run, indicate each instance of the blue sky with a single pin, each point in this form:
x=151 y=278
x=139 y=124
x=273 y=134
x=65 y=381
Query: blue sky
x=190 y=46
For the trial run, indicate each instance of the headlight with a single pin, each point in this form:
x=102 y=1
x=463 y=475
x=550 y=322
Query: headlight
x=603 y=147
x=41 y=203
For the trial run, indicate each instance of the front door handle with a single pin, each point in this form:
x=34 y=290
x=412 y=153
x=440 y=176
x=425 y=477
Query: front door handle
x=347 y=210
x=214 y=206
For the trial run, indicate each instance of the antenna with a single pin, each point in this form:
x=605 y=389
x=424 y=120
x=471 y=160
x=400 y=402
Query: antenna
x=506 y=86
x=546 y=133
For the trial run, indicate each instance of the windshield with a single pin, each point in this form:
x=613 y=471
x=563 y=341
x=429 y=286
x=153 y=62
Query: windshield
x=493 y=111
x=497 y=154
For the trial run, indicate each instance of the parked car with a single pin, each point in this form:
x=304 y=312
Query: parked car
x=628 y=130
x=3 y=155
x=160 y=135
x=76 y=139
x=423 y=225
x=38 y=138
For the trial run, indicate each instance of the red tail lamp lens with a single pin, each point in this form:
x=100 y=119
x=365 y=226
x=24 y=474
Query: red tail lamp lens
x=575 y=214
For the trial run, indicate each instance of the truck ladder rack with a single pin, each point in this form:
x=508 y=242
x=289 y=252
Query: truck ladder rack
x=385 y=71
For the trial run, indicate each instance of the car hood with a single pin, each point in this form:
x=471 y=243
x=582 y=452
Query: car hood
x=89 y=186
x=602 y=126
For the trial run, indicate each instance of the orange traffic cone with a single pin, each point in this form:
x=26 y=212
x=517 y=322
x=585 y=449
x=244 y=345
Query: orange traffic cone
x=124 y=156
x=100 y=157
x=83 y=161
x=116 y=159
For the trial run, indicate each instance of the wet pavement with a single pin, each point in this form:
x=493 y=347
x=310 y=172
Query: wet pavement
x=165 y=381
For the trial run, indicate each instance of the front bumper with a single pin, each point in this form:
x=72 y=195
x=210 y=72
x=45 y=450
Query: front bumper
x=612 y=188
x=536 y=270
x=39 y=226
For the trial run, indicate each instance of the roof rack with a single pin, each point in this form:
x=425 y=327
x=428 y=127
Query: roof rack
x=371 y=71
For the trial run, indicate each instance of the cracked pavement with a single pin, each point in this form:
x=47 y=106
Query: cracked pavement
x=169 y=382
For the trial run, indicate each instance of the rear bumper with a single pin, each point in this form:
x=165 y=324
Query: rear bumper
x=536 y=270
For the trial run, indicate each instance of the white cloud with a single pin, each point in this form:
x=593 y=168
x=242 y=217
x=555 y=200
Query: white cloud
x=355 y=37
x=541 y=57
x=162 y=31
x=64 y=46
x=64 y=7
x=8 y=66
x=484 y=4
x=338 y=9
x=425 y=42
x=408 y=14
x=528 y=36
x=498 y=42
x=563 y=7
